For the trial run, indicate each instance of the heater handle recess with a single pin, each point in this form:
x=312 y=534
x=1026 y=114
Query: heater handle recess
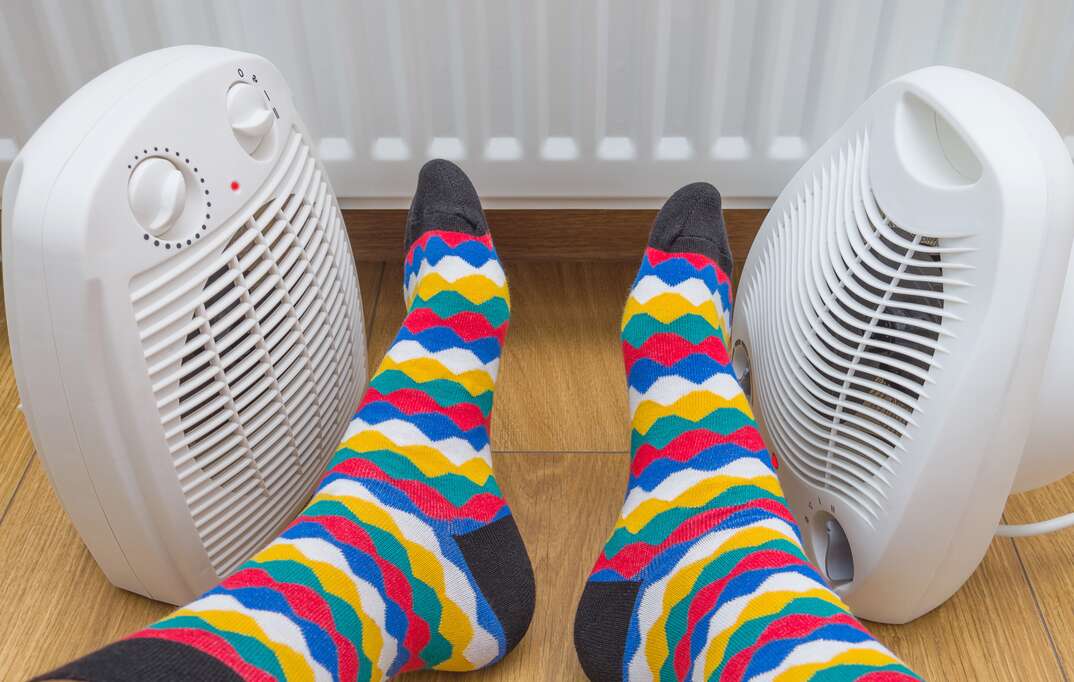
x=1025 y=530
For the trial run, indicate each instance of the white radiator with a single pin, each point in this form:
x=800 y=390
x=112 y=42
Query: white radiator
x=557 y=102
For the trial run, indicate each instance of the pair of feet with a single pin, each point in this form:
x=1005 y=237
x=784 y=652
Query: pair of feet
x=408 y=558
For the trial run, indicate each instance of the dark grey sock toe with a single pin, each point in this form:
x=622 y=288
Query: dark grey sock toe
x=444 y=200
x=691 y=221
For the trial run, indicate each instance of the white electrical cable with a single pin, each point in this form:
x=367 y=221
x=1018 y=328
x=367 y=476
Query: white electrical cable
x=1024 y=530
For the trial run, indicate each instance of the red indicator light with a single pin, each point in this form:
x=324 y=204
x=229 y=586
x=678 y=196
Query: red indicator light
x=234 y=185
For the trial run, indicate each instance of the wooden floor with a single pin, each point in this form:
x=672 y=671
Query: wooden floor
x=560 y=437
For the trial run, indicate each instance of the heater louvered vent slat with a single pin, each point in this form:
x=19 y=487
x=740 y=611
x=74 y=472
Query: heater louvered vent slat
x=249 y=342
x=847 y=314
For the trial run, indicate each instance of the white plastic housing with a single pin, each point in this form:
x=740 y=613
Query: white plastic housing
x=1049 y=451
x=895 y=312
x=187 y=350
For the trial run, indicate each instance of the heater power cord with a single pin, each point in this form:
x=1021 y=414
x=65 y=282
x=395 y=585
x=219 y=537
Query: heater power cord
x=1025 y=530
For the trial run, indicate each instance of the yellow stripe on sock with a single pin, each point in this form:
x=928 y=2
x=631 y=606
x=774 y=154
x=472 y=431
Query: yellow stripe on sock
x=294 y=664
x=867 y=657
x=668 y=307
x=692 y=407
x=476 y=289
x=430 y=461
x=695 y=496
x=420 y=370
x=335 y=582
x=682 y=582
x=426 y=567
x=762 y=605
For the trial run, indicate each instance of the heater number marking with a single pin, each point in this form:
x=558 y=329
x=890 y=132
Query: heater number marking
x=242 y=75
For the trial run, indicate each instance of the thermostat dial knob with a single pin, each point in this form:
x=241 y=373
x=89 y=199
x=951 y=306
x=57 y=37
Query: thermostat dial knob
x=157 y=192
x=249 y=114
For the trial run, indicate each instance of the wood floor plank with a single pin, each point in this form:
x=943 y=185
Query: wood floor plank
x=369 y=276
x=57 y=604
x=389 y=314
x=1048 y=560
x=16 y=448
x=561 y=385
x=989 y=630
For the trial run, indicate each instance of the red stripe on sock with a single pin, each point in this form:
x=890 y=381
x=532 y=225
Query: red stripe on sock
x=687 y=445
x=666 y=349
x=481 y=507
x=886 y=676
x=469 y=325
x=306 y=603
x=793 y=626
x=411 y=401
x=396 y=585
x=632 y=558
x=707 y=597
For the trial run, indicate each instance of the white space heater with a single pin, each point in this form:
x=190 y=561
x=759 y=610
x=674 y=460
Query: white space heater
x=893 y=327
x=184 y=313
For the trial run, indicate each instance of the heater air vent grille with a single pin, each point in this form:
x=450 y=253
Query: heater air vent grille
x=847 y=316
x=253 y=344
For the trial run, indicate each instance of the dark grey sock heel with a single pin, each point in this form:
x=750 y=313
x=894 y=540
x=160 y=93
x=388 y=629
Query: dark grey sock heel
x=600 y=628
x=497 y=557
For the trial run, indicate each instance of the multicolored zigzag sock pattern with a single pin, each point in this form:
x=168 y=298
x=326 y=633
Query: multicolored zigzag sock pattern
x=407 y=557
x=704 y=576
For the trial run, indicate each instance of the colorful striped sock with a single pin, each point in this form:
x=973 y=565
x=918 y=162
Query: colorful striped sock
x=704 y=576
x=407 y=558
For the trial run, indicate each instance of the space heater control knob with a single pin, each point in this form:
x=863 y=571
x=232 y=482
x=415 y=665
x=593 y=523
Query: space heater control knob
x=157 y=193
x=250 y=116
